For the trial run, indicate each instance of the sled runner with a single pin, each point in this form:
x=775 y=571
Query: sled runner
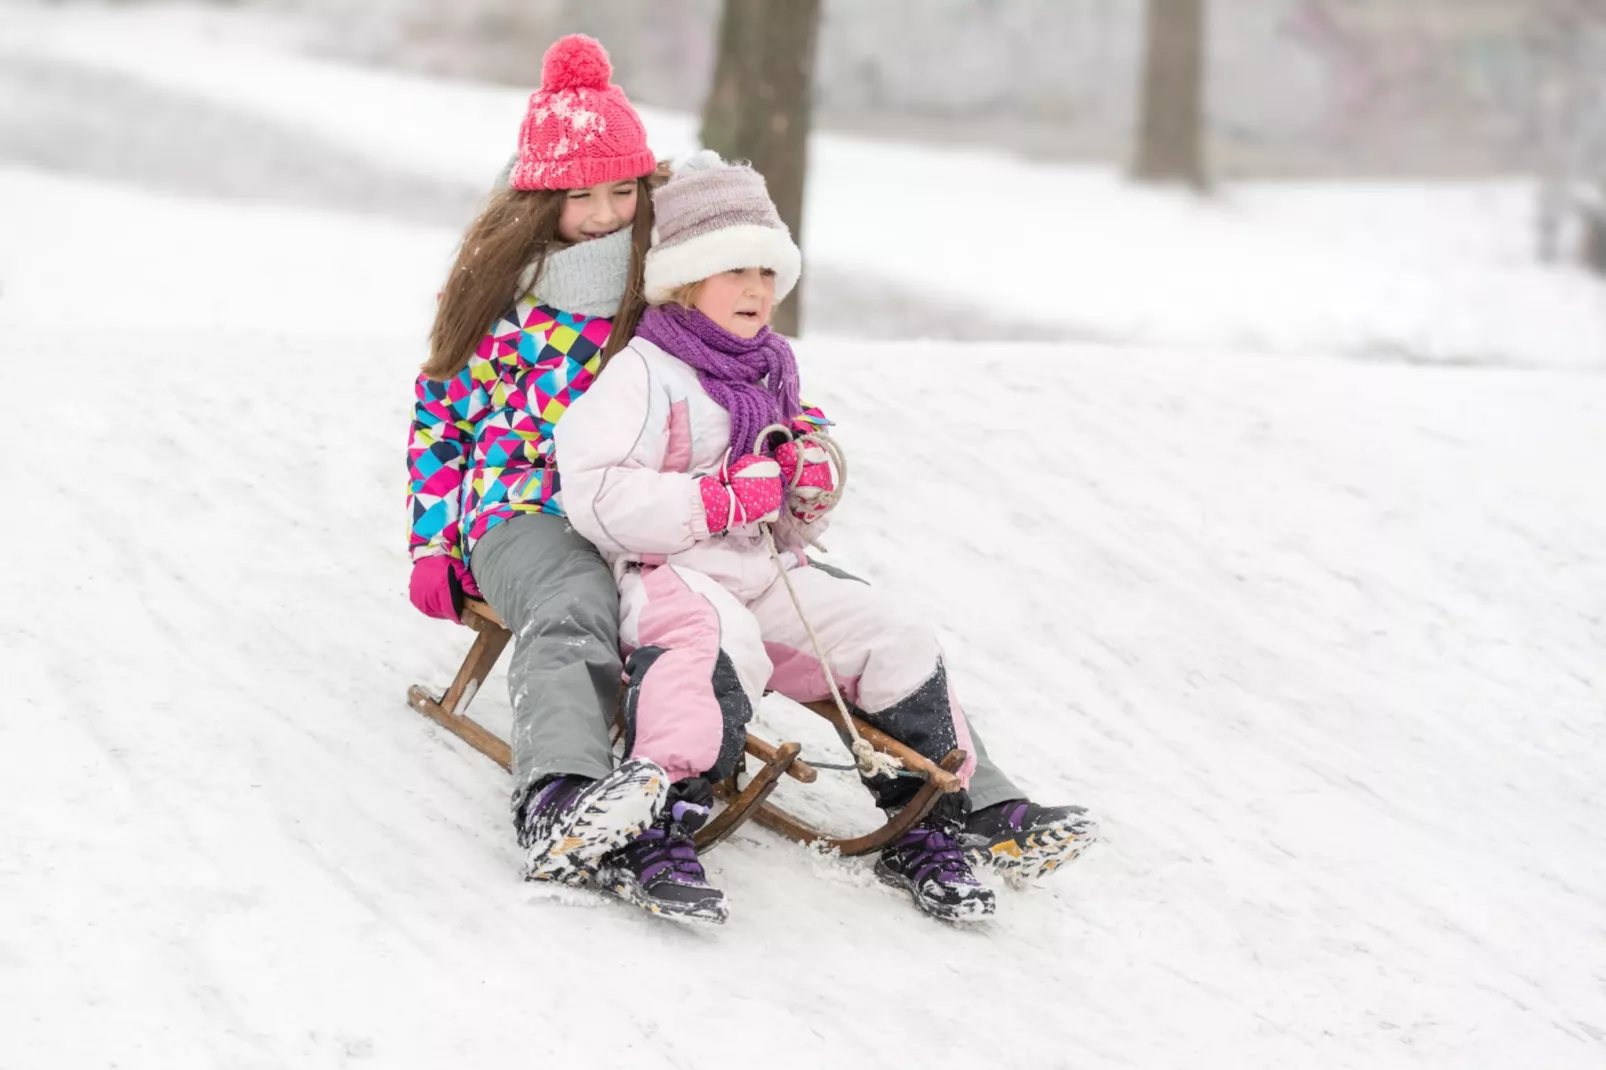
x=743 y=801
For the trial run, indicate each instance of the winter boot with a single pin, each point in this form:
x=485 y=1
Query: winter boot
x=572 y=822
x=1023 y=840
x=929 y=864
x=659 y=871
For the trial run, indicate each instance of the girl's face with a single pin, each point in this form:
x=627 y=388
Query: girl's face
x=597 y=211
x=739 y=301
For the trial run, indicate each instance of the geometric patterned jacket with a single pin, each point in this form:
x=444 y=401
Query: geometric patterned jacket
x=481 y=441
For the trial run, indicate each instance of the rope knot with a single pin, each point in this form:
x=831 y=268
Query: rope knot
x=807 y=501
x=873 y=763
x=869 y=761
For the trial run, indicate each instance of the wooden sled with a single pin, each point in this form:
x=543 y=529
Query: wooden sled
x=743 y=802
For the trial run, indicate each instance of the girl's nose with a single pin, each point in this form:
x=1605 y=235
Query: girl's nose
x=606 y=213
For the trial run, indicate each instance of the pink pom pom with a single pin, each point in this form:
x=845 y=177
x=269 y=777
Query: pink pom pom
x=576 y=62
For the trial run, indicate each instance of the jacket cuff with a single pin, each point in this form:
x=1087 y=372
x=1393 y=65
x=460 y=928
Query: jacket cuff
x=455 y=584
x=699 y=512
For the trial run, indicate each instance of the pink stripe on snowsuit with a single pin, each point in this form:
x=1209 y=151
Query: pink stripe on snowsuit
x=681 y=710
x=630 y=453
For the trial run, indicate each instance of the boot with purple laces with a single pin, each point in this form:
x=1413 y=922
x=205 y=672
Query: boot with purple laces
x=570 y=823
x=659 y=870
x=1024 y=841
x=928 y=863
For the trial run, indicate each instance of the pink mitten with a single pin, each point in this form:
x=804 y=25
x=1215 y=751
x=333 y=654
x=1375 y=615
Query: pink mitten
x=807 y=487
x=747 y=492
x=438 y=585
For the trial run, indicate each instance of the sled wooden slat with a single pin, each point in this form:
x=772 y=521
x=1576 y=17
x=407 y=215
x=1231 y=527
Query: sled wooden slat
x=479 y=615
x=750 y=803
x=912 y=760
x=779 y=821
x=484 y=620
x=467 y=729
x=489 y=642
x=798 y=769
x=772 y=817
x=738 y=804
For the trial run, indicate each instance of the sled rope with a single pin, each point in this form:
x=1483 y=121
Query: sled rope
x=866 y=759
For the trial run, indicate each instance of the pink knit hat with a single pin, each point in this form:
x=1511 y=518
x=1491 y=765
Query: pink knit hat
x=580 y=129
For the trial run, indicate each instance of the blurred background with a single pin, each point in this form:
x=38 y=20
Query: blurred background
x=1446 y=88
x=1176 y=164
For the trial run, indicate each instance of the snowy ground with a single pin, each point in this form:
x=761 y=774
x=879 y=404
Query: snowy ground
x=1322 y=642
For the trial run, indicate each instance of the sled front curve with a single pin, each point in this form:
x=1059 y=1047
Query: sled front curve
x=739 y=805
x=912 y=813
x=490 y=640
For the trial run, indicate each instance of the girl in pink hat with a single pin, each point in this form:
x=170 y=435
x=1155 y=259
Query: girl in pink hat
x=547 y=285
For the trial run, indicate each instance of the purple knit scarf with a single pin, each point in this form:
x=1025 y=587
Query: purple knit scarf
x=753 y=379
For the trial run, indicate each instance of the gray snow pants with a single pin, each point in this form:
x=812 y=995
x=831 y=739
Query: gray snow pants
x=557 y=595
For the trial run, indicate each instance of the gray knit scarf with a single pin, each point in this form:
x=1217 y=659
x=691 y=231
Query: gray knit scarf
x=587 y=279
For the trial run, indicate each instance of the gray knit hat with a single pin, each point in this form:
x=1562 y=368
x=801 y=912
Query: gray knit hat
x=712 y=216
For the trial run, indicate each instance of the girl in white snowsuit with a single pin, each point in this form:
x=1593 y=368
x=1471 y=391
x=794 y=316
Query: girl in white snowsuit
x=662 y=468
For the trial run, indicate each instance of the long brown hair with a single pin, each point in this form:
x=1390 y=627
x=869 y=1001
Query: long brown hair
x=516 y=228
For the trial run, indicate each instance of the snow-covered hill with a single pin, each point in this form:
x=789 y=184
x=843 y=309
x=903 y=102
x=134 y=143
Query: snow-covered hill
x=1323 y=649
x=1322 y=642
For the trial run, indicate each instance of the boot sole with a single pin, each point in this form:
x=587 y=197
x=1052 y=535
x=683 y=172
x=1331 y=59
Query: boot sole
x=1027 y=858
x=618 y=809
x=708 y=911
x=977 y=907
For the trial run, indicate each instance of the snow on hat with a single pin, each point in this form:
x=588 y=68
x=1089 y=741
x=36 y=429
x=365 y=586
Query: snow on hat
x=580 y=129
x=712 y=216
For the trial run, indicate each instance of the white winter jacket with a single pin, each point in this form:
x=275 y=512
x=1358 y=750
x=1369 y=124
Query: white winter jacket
x=630 y=453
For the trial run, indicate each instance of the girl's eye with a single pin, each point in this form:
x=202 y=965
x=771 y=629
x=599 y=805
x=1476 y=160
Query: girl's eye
x=579 y=194
x=768 y=273
x=625 y=191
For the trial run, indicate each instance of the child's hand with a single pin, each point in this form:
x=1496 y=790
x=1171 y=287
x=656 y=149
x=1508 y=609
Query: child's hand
x=439 y=585
x=806 y=473
x=747 y=492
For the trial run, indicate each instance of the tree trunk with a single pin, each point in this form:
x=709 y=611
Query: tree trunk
x=760 y=105
x=1592 y=211
x=1171 y=127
